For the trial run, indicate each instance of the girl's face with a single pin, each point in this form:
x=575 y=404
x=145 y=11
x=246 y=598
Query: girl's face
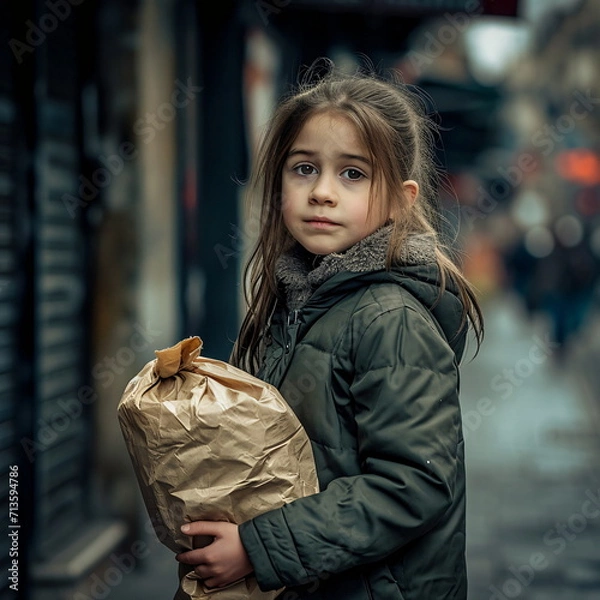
x=326 y=185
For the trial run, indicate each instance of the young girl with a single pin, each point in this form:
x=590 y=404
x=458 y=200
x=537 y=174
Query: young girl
x=359 y=317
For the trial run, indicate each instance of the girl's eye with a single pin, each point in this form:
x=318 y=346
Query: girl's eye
x=353 y=174
x=304 y=169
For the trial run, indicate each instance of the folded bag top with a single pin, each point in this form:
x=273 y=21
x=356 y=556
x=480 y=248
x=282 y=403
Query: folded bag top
x=209 y=441
x=177 y=358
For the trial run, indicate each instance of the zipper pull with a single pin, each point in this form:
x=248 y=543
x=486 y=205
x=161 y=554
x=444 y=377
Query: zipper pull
x=293 y=320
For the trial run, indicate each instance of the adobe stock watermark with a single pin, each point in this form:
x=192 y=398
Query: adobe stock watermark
x=104 y=371
x=242 y=237
x=331 y=564
x=69 y=409
x=37 y=33
x=120 y=565
x=123 y=562
x=487 y=200
x=331 y=560
x=504 y=384
x=146 y=128
x=316 y=372
x=558 y=538
x=446 y=34
x=238 y=239
x=551 y=134
x=546 y=138
x=266 y=8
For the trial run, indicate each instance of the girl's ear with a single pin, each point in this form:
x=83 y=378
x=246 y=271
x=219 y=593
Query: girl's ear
x=411 y=189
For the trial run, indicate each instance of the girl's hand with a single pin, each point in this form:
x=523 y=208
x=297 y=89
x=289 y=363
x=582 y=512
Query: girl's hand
x=221 y=562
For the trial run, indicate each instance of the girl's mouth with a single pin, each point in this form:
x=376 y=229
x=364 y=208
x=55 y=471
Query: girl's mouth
x=321 y=223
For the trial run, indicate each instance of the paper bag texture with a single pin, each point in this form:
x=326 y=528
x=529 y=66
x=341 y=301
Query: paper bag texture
x=208 y=441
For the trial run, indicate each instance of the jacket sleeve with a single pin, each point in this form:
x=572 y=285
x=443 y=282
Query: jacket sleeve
x=408 y=426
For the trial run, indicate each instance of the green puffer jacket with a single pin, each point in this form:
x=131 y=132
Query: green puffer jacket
x=369 y=365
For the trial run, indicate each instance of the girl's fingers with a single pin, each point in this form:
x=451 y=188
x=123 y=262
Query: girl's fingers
x=191 y=557
x=202 y=528
x=202 y=571
x=208 y=578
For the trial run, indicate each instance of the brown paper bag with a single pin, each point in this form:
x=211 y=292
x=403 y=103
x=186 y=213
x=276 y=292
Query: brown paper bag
x=208 y=441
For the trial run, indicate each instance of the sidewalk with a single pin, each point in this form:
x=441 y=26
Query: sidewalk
x=533 y=479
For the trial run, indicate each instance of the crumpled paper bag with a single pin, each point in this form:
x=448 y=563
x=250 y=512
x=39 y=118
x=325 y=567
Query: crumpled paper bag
x=208 y=441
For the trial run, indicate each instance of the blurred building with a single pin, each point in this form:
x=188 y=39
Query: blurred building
x=551 y=171
x=126 y=133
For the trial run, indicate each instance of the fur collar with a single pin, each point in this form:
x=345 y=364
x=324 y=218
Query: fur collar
x=301 y=273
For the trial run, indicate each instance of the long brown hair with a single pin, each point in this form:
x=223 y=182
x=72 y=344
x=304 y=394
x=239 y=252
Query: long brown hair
x=393 y=125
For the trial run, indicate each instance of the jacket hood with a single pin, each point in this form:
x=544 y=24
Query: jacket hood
x=445 y=305
x=310 y=281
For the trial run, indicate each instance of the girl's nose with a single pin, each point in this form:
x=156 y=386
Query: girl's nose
x=324 y=191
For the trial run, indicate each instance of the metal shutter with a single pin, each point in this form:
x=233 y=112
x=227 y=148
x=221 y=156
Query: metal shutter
x=61 y=424
x=43 y=284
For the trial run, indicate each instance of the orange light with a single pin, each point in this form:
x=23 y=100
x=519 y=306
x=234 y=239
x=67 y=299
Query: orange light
x=580 y=166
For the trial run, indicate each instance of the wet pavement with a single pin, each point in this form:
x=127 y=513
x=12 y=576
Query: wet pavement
x=531 y=430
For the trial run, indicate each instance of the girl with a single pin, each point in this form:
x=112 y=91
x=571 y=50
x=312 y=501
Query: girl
x=359 y=317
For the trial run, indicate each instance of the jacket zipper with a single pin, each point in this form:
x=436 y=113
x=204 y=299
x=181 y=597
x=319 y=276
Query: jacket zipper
x=366 y=584
x=293 y=321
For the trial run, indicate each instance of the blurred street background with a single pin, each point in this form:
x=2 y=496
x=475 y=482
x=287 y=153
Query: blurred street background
x=126 y=132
